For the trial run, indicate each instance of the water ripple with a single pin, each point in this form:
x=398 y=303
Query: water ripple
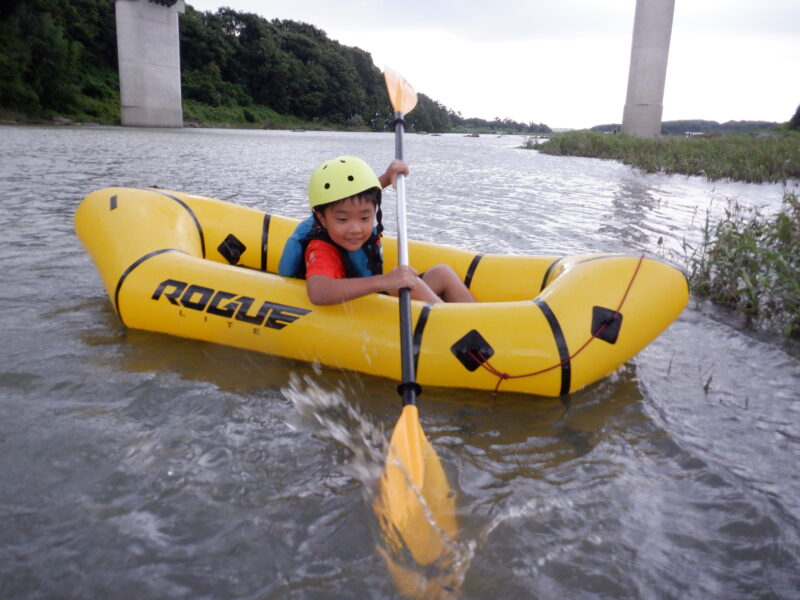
x=141 y=465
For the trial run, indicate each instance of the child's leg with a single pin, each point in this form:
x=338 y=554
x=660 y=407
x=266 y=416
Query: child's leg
x=423 y=292
x=420 y=292
x=445 y=283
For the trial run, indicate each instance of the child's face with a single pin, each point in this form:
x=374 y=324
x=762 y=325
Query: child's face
x=349 y=222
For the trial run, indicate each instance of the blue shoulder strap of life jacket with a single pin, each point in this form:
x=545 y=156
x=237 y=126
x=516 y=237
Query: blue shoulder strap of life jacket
x=292 y=257
x=292 y=261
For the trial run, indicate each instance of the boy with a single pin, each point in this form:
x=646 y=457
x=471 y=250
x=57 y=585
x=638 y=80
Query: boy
x=341 y=247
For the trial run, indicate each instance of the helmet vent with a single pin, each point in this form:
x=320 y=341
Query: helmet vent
x=327 y=186
x=350 y=178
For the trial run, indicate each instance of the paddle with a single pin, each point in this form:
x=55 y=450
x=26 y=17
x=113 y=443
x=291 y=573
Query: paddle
x=415 y=506
x=404 y=99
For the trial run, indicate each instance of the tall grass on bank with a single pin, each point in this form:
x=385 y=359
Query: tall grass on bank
x=750 y=262
x=771 y=157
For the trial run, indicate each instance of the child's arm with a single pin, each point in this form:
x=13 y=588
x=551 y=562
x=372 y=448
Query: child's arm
x=324 y=290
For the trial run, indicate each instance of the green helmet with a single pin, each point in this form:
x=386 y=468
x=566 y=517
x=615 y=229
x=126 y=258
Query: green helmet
x=340 y=178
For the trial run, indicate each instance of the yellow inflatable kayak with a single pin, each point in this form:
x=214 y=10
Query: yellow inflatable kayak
x=206 y=269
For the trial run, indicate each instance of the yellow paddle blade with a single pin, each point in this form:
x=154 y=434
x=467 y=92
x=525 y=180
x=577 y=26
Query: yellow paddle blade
x=401 y=94
x=416 y=511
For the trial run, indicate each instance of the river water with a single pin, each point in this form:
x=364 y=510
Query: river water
x=136 y=465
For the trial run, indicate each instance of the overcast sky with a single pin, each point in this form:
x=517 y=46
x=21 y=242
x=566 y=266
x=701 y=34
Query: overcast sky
x=565 y=62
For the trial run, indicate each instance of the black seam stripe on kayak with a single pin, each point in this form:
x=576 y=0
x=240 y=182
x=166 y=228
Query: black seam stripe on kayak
x=471 y=271
x=549 y=270
x=191 y=214
x=265 y=241
x=561 y=344
x=133 y=265
x=585 y=260
x=421 y=322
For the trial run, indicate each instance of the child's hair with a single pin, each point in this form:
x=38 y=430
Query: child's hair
x=371 y=195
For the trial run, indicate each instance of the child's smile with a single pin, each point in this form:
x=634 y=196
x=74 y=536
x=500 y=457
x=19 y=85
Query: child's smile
x=349 y=222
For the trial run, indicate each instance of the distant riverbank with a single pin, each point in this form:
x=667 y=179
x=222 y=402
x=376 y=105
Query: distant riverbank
x=771 y=156
x=197 y=114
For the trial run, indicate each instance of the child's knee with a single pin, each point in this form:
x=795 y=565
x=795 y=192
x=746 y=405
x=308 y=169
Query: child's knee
x=445 y=282
x=442 y=272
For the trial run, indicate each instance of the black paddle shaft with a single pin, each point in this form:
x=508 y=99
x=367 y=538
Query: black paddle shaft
x=408 y=388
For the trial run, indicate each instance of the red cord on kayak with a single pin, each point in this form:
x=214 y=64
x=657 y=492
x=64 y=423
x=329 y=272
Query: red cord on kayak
x=478 y=357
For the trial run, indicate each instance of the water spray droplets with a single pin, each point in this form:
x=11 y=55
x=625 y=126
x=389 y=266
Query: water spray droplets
x=341 y=422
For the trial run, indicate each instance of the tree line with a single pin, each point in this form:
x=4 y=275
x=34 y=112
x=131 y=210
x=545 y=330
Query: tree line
x=56 y=56
x=682 y=126
x=59 y=57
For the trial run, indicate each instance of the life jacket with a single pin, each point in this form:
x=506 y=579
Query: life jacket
x=364 y=262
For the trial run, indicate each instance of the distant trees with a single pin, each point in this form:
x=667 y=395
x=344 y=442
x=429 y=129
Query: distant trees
x=61 y=57
x=680 y=127
x=230 y=57
x=794 y=122
x=431 y=116
x=49 y=50
x=240 y=58
x=505 y=125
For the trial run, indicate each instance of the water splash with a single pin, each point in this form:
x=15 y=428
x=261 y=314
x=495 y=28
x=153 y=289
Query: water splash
x=341 y=422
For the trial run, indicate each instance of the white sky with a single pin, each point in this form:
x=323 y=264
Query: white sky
x=565 y=62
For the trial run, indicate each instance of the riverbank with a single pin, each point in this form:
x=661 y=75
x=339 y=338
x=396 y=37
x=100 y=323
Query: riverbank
x=767 y=157
x=195 y=114
x=746 y=261
x=199 y=115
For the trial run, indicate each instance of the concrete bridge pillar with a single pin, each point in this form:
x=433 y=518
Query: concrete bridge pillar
x=652 y=29
x=149 y=62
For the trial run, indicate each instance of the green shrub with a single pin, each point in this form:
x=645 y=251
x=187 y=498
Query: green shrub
x=750 y=262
